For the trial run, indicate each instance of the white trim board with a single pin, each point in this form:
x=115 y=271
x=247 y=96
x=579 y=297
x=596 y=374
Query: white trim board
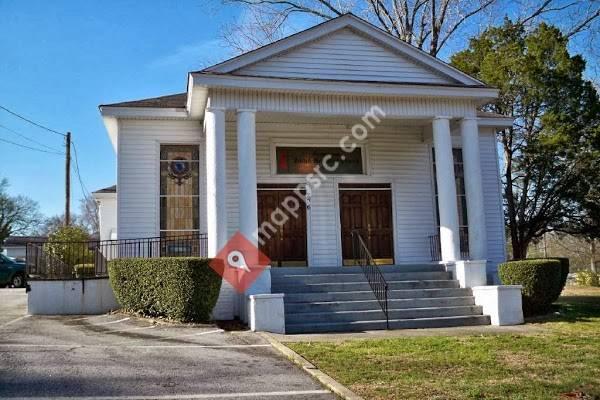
x=226 y=81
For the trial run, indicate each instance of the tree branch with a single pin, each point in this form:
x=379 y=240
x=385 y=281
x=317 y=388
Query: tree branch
x=583 y=25
x=451 y=31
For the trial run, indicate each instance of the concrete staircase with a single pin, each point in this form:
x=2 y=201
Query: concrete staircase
x=339 y=299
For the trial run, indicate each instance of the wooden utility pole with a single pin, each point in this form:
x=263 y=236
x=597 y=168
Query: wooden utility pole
x=68 y=179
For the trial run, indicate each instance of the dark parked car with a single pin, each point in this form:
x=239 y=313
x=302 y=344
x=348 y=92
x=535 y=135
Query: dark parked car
x=12 y=273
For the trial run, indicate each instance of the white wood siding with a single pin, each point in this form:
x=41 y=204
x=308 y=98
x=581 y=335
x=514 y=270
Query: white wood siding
x=138 y=171
x=492 y=197
x=396 y=154
x=138 y=183
x=345 y=55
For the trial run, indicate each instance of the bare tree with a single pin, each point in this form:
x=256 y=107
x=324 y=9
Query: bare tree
x=89 y=218
x=426 y=24
x=259 y=26
x=581 y=251
x=572 y=17
x=54 y=223
x=18 y=214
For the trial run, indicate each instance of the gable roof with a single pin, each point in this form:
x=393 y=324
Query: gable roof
x=357 y=26
x=110 y=189
x=177 y=100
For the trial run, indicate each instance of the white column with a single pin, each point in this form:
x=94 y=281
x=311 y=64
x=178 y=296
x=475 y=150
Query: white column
x=246 y=141
x=216 y=209
x=446 y=185
x=473 y=189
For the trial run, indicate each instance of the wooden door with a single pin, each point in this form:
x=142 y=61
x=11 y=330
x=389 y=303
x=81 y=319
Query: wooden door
x=369 y=210
x=287 y=245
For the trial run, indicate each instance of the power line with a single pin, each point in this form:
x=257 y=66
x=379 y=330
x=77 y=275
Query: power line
x=30 y=148
x=29 y=139
x=77 y=171
x=31 y=122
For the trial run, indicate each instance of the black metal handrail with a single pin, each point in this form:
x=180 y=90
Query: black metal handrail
x=89 y=259
x=377 y=282
x=435 y=246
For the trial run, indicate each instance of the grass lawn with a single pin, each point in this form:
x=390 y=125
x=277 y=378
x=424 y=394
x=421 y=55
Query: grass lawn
x=561 y=356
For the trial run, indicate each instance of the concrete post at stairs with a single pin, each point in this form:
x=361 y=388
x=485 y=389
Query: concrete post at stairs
x=474 y=189
x=267 y=313
x=470 y=273
x=502 y=303
x=446 y=185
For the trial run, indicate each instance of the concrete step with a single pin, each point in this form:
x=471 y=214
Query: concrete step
x=279 y=271
x=362 y=305
x=376 y=314
x=300 y=287
x=413 y=323
x=368 y=295
x=358 y=277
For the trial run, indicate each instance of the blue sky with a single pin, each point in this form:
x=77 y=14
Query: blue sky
x=60 y=59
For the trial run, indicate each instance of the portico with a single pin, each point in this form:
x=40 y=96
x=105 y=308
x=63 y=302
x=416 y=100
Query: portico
x=467 y=134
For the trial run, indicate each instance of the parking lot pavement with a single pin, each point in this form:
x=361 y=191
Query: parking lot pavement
x=117 y=356
x=13 y=305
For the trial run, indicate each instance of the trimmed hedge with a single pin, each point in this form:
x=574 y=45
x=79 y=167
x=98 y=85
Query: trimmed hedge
x=564 y=274
x=180 y=288
x=541 y=280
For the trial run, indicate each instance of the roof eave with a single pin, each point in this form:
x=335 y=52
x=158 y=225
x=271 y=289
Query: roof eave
x=143 y=112
x=495 y=122
x=104 y=195
x=479 y=93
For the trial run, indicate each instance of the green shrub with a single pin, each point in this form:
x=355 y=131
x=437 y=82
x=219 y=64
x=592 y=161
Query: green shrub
x=587 y=278
x=179 y=288
x=82 y=270
x=564 y=273
x=540 y=278
x=69 y=244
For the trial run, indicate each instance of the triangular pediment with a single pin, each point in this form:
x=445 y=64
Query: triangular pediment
x=344 y=49
x=346 y=56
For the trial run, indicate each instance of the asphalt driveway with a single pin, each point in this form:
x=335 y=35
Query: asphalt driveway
x=121 y=357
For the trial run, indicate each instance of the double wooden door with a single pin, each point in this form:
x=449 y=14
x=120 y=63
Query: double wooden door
x=368 y=209
x=287 y=245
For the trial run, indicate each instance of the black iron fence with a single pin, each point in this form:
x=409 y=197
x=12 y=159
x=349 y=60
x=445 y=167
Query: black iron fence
x=435 y=246
x=379 y=286
x=89 y=259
